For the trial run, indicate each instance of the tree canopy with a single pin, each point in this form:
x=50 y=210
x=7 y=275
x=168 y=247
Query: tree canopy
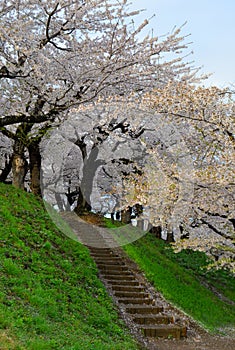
x=58 y=54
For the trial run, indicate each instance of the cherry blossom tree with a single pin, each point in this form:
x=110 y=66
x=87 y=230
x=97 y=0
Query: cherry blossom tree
x=206 y=116
x=56 y=55
x=100 y=145
x=205 y=120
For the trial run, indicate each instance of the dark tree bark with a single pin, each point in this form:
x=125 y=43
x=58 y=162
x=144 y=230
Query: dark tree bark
x=138 y=209
x=90 y=166
x=19 y=164
x=156 y=231
x=213 y=228
x=35 y=167
x=83 y=205
x=72 y=196
x=126 y=216
x=7 y=169
x=118 y=215
x=170 y=236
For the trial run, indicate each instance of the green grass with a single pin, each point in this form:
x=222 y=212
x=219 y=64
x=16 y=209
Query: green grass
x=181 y=278
x=50 y=295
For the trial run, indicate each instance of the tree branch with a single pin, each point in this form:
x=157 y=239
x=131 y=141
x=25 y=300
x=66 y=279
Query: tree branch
x=8 y=133
x=213 y=228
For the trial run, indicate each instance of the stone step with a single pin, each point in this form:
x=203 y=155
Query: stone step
x=103 y=255
x=101 y=250
x=119 y=268
x=89 y=244
x=120 y=283
x=143 y=309
x=128 y=288
x=150 y=318
x=128 y=294
x=153 y=319
x=135 y=301
x=94 y=240
x=118 y=278
x=92 y=243
x=102 y=263
x=94 y=250
x=107 y=272
x=109 y=259
x=164 y=331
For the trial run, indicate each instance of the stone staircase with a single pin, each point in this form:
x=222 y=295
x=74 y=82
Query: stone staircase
x=150 y=318
x=138 y=307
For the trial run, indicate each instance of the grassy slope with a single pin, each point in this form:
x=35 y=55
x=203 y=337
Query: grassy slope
x=184 y=279
x=50 y=295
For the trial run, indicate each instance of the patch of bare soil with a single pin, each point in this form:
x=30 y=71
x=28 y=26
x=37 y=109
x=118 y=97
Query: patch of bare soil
x=196 y=340
x=93 y=219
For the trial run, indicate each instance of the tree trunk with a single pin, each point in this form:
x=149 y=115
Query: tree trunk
x=140 y=224
x=91 y=164
x=19 y=165
x=156 y=231
x=6 y=170
x=170 y=236
x=138 y=209
x=82 y=204
x=35 y=168
x=126 y=216
x=118 y=215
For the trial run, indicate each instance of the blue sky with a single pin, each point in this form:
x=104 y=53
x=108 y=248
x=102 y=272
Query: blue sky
x=211 y=24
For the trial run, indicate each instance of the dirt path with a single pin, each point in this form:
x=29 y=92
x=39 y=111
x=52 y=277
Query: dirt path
x=195 y=341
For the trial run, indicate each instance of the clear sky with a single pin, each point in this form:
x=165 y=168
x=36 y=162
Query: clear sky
x=211 y=24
